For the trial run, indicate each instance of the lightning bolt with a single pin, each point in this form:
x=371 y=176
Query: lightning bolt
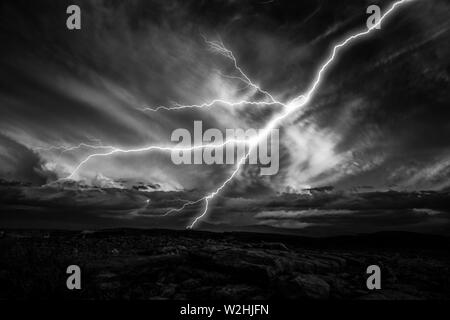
x=65 y=148
x=218 y=46
x=157 y=148
x=186 y=204
x=289 y=108
x=211 y=103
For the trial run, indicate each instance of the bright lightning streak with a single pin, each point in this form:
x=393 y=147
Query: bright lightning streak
x=213 y=194
x=343 y=44
x=219 y=47
x=209 y=104
x=293 y=105
x=187 y=203
x=81 y=145
x=75 y=147
x=290 y=107
x=233 y=77
x=157 y=148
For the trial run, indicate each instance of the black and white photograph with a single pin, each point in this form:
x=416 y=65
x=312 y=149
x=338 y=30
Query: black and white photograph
x=224 y=154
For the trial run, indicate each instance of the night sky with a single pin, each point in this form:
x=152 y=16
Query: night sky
x=377 y=130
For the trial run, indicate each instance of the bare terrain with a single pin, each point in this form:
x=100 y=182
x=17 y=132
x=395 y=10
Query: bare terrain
x=165 y=264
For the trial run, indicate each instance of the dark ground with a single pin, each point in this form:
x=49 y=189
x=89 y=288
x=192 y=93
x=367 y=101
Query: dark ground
x=163 y=264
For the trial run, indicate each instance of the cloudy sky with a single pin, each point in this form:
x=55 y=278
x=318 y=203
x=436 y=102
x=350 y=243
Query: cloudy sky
x=380 y=117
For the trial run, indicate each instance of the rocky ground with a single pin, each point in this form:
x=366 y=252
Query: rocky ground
x=162 y=264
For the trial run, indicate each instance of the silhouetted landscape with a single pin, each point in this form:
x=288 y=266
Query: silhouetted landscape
x=165 y=264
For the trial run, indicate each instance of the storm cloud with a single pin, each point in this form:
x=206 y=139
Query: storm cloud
x=380 y=118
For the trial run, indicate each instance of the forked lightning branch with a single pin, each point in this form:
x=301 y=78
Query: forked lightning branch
x=289 y=108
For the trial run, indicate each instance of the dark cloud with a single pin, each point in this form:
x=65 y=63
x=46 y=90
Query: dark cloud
x=379 y=119
x=322 y=212
x=21 y=164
